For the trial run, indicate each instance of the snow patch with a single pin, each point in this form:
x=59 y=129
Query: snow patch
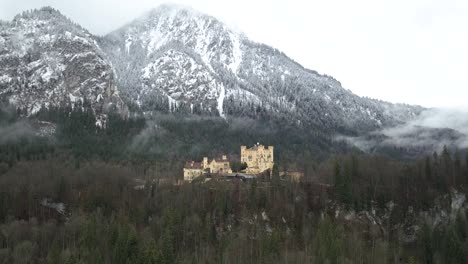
x=5 y=79
x=74 y=99
x=47 y=75
x=59 y=207
x=236 y=53
x=157 y=40
x=128 y=44
x=221 y=97
x=457 y=201
x=35 y=108
x=172 y=104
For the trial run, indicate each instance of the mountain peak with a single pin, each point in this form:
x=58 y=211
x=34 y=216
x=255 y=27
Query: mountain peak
x=168 y=7
x=178 y=59
x=175 y=12
x=45 y=12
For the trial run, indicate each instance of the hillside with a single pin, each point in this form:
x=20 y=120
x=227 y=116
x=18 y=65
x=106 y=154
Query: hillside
x=176 y=59
x=47 y=60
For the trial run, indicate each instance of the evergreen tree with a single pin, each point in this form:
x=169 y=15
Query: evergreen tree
x=329 y=242
x=427 y=168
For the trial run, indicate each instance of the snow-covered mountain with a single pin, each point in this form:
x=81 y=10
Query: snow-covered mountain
x=47 y=60
x=177 y=59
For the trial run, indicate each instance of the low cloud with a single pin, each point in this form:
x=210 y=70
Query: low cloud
x=432 y=130
x=456 y=119
x=13 y=132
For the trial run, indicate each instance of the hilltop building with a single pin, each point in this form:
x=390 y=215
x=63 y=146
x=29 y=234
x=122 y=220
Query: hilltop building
x=258 y=158
x=194 y=169
x=217 y=165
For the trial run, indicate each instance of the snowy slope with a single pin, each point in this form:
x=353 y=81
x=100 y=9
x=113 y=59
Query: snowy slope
x=47 y=60
x=177 y=58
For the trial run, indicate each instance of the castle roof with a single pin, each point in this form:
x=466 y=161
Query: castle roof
x=220 y=159
x=193 y=165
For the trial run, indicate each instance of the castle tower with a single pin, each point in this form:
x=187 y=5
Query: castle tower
x=258 y=158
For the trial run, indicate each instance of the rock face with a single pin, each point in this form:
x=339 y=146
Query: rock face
x=47 y=60
x=175 y=58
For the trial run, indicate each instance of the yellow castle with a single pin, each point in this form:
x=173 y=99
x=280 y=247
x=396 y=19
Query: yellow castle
x=258 y=158
x=194 y=169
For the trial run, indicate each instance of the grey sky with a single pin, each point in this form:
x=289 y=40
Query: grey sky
x=411 y=51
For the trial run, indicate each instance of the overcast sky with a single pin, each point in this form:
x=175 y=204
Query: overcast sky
x=411 y=51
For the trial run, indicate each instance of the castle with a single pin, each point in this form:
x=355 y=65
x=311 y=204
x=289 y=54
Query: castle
x=258 y=158
x=194 y=169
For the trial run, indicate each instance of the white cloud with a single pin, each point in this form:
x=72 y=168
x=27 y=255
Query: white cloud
x=455 y=118
x=427 y=130
x=412 y=51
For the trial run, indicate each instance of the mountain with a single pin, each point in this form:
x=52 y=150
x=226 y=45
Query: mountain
x=47 y=60
x=176 y=59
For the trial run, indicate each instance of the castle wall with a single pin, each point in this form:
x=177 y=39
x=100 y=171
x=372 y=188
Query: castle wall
x=222 y=166
x=258 y=158
x=190 y=174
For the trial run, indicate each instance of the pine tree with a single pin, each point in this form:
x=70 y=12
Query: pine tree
x=427 y=169
x=453 y=247
x=343 y=186
x=275 y=177
x=466 y=168
x=427 y=244
x=328 y=242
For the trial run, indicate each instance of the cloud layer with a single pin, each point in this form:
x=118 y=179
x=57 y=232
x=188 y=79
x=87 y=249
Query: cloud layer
x=432 y=130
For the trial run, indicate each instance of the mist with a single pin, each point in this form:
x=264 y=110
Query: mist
x=14 y=132
x=456 y=119
x=432 y=129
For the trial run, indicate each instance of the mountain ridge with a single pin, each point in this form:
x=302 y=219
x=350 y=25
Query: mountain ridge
x=176 y=59
x=51 y=61
x=255 y=77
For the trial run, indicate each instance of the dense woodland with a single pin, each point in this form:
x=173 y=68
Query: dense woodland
x=120 y=208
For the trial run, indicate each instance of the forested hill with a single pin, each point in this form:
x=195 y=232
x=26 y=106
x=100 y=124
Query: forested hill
x=84 y=194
